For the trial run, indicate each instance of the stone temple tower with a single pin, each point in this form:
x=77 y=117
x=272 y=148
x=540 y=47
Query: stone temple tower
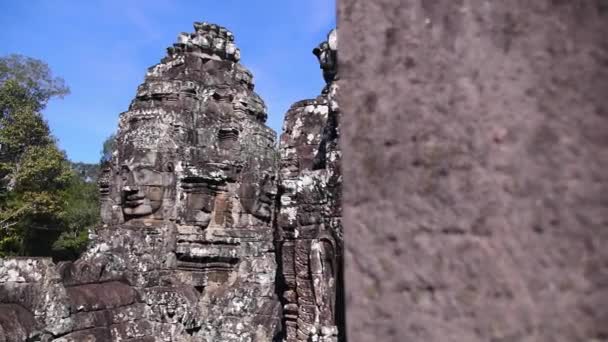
x=186 y=250
x=196 y=162
x=208 y=232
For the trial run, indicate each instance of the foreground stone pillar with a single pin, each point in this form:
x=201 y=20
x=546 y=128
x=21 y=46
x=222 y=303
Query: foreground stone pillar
x=475 y=185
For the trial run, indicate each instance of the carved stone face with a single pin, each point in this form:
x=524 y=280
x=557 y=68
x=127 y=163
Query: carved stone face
x=145 y=182
x=257 y=194
x=199 y=201
x=143 y=190
x=105 y=193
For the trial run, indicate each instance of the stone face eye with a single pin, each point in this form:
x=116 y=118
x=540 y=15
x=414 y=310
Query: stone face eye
x=169 y=167
x=124 y=171
x=144 y=176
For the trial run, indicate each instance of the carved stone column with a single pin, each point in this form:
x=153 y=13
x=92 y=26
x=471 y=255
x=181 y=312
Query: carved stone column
x=309 y=215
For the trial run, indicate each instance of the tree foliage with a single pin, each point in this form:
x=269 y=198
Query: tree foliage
x=108 y=147
x=35 y=78
x=23 y=129
x=45 y=207
x=80 y=212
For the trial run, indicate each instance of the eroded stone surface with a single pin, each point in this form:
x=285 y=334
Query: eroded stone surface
x=475 y=159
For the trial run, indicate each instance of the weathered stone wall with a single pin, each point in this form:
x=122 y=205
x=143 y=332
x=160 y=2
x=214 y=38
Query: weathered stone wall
x=31 y=297
x=475 y=153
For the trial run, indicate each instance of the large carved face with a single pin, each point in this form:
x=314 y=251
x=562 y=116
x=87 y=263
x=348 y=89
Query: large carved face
x=210 y=166
x=258 y=187
x=145 y=183
x=257 y=193
x=229 y=174
x=199 y=201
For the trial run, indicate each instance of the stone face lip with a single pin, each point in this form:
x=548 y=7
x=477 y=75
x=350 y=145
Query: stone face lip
x=195 y=203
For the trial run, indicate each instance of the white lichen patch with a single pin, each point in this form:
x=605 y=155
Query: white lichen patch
x=322 y=110
x=310 y=138
x=159 y=69
x=285 y=200
x=291 y=213
x=305 y=182
x=296 y=129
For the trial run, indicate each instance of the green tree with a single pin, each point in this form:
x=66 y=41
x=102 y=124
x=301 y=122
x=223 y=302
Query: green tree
x=81 y=212
x=32 y=212
x=20 y=127
x=108 y=147
x=35 y=78
x=45 y=207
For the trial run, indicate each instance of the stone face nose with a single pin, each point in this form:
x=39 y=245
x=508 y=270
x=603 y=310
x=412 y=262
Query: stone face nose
x=129 y=189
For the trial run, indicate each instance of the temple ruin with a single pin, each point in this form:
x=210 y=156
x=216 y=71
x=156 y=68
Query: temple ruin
x=309 y=216
x=209 y=232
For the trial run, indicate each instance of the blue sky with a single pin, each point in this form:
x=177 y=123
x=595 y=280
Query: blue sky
x=102 y=48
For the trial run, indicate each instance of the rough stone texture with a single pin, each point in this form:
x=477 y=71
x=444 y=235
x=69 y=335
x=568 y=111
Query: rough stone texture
x=191 y=217
x=475 y=155
x=186 y=251
x=309 y=217
x=193 y=179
